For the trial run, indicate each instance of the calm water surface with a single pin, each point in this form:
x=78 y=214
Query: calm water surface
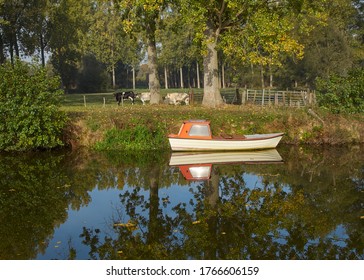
x=295 y=203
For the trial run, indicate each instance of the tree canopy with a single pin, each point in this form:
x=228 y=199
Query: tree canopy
x=292 y=41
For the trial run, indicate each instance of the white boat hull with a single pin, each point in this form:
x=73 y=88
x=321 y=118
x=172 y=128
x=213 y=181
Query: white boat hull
x=251 y=142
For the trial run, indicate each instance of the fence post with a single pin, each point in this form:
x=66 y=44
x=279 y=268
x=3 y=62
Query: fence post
x=314 y=97
x=276 y=98
x=238 y=96
x=304 y=96
x=290 y=99
x=84 y=100
x=284 y=98
x=244 y=95
x=191 y=96
x=310 y=97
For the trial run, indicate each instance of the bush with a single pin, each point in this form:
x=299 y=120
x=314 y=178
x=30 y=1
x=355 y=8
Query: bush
x=29 y=108
x=135 y=138
x=342 y=94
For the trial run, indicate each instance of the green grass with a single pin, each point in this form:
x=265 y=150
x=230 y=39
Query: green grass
x=98 y=99
x=139 y=137
x=131 y=127
x=74 y=101
x=92 y=99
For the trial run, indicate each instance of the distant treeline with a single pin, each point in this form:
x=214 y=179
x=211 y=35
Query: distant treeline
x=97 y=45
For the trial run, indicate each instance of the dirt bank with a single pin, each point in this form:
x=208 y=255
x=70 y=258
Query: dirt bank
x=301 y=126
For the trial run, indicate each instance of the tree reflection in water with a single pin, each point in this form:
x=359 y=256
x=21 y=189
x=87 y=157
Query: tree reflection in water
x=309 y=207
x=296 y=212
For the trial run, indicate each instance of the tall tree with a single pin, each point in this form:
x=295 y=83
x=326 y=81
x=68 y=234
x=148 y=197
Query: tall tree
x=11 y=26
x=177 y=48
x=103 y=37
x=24 y=28
x=34 y=35
x=332 y=48
x=143 y=17
x=358 y=30
x=227 y=21
x=107 y=40
x=68 y=22
x=2 y=23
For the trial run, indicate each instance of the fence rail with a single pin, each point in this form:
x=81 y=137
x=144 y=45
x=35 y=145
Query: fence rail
x=229 y=95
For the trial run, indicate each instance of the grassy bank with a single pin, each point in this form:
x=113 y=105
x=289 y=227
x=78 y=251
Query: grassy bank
x=106 y=126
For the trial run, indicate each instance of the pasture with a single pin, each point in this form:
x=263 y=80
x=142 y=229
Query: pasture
x=230 y=96
x=103 y=121
x=74 y=101
x=78 y=101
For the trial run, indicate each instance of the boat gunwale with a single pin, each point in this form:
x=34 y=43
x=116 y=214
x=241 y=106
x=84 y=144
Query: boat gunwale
x=234 y=137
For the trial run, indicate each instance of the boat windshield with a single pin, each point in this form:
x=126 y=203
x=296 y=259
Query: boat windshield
x=200 y=172
x=199 y=130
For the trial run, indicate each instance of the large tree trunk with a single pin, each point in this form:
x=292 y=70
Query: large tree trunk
x=212 y=96
x=153 y=225
x=212 y=199
x=154 y=85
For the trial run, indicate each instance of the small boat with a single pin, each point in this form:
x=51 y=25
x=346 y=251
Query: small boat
x=235 y=157
x=201 y=172
x=195 y=135
x=198 y=165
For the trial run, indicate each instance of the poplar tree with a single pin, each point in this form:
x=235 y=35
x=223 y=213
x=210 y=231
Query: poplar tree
x=104 y=38
x=107 y=40
x=68 y=21
x=143 y=17
x=177 y=48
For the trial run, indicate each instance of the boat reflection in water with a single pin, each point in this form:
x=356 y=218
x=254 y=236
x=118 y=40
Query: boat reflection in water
x=198 y=166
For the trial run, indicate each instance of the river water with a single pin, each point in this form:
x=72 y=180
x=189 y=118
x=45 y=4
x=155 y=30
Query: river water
x=289 y=203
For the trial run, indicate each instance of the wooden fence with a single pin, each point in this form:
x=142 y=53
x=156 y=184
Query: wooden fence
x=265 y=97
x=229 y=95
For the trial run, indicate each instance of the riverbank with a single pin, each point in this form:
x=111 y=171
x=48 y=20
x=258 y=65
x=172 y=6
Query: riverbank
x=146 y=127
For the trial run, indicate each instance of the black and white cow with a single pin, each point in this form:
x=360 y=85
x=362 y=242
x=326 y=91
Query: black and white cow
x=120 y=95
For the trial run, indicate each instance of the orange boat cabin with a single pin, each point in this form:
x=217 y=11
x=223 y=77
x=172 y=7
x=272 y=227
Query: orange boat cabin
x=194 y=129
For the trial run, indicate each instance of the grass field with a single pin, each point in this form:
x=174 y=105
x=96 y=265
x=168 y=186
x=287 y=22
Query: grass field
x=97 y=120
x=107 y=99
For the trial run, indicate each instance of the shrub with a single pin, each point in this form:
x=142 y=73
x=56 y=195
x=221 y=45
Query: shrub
x=29 y=108
x=342 y=94
x=135 y=138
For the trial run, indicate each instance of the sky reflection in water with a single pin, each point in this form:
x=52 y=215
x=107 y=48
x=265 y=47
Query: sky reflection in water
x=85 y=205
